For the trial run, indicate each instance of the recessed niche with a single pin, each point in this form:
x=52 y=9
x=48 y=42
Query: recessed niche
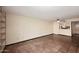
x=65 y=27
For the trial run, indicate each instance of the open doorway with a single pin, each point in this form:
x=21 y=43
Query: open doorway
x=75 y=32
x=75 y=28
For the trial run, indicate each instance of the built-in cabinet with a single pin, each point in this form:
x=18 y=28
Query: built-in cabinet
x=2 y=29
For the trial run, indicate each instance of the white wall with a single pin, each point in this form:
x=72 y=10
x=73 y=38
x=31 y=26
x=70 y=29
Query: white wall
x=20 y=28
x=55 y=27
x=64 y=31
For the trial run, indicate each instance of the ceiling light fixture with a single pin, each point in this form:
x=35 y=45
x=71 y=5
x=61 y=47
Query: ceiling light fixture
x=58 y=20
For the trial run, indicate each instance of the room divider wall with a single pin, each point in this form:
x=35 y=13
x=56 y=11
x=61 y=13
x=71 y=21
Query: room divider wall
x=2 y=29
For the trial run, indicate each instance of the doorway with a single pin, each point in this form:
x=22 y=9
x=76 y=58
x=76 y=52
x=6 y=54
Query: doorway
x=75 y=32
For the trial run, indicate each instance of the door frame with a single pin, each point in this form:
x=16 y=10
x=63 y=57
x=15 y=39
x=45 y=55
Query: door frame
x=72 y=26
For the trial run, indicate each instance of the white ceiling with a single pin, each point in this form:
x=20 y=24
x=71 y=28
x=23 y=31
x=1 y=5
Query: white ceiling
x=44 y=12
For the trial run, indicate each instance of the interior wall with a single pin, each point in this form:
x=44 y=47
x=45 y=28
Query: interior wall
x=67 y=32
x=55 y=27
x=20 y=28
x=58 y=30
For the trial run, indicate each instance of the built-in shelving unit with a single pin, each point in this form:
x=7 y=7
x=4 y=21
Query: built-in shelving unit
x=2 y=29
